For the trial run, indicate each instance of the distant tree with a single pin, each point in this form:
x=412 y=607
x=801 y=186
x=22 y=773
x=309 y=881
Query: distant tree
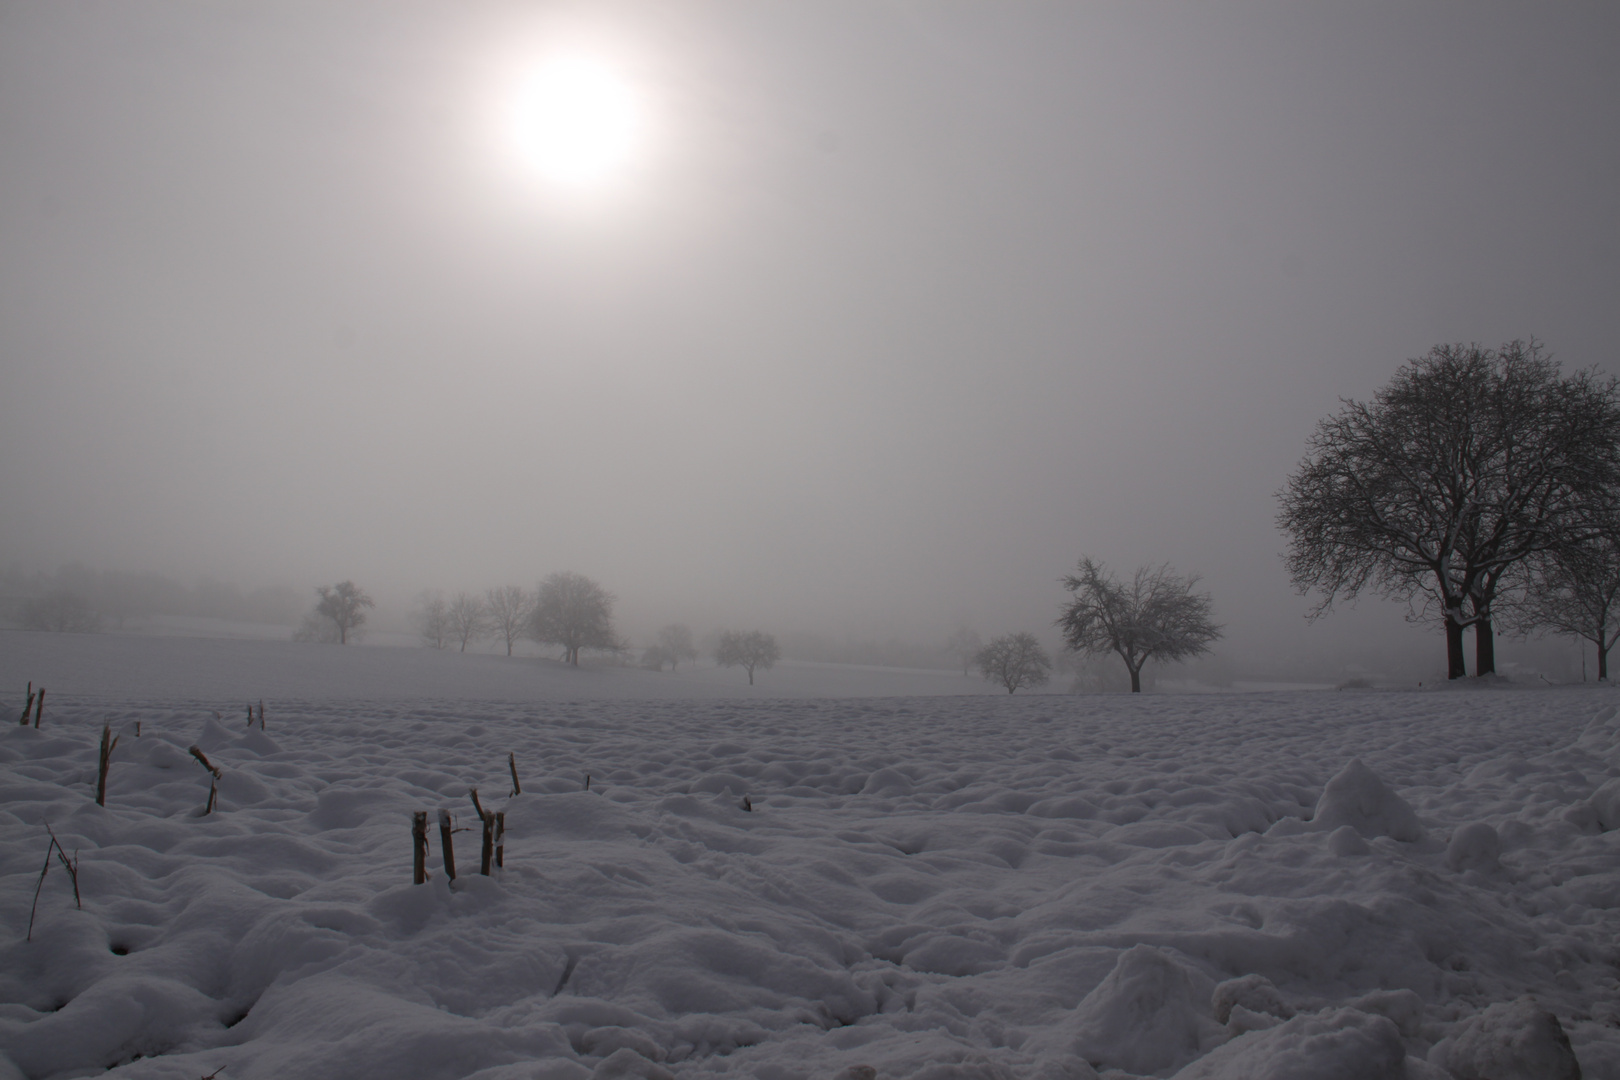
x=1575 y=591
x=433 y=620
x=345 y=604
x=1157 y=616
x=964 y=647
x=1466 y=464
x=468 y=618
x=654 y=657
x=60 y=611
x=575 y=612
x=749 y=649
x=1015 y=661
x=510 y=608
x=677 y=643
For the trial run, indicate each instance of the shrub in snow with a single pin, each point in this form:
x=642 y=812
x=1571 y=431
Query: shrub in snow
x=1146 y=1016
x=1341 y=1044
x=1474 y=847
x=1516 y=1040
x=1358 y=798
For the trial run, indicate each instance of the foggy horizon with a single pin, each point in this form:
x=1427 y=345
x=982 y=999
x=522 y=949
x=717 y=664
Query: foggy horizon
x=891 y=314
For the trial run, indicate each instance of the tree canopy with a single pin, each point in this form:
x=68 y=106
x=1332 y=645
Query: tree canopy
x=1156 y=616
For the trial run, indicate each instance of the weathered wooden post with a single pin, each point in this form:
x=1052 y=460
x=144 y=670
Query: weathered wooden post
x=486 y=854
x=108 y=743
x=419 y=846
x=446 y=846
x=213 y=771
x=39 y=708
x=478 y=806
x=500 y=838
x=511 y=763
x=28 y=708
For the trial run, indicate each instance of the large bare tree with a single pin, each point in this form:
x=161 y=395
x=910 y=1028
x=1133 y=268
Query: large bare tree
x=1467 y=463
x=575 y=612
x=510 y=608
x=1155 y=616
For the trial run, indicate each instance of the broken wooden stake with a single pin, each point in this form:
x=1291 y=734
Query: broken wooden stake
x=261 y=714
x=137 y=729
x=250 y=713
x=500 y=838
x=419 y=847
x=29 y=707
x=196 y=752
x=478 y=806
x=587 y=781
x=487 y=852
x=511 y=763
x=39 y=707
x=445 y=845
x=213 y=793
x=748 y=804
x=108 y=743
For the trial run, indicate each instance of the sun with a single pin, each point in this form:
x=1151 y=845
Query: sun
x=577 y=121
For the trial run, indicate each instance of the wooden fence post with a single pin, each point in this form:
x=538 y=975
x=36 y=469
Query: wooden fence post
x=511 y=763
x=39 y=708
x=29 y=707
x=419 y=846
x=487 y=852
x=446 y=846
x=500 y=838
x=107 y=748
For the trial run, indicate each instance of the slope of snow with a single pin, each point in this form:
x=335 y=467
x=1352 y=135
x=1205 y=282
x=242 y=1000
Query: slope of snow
x=924 y=888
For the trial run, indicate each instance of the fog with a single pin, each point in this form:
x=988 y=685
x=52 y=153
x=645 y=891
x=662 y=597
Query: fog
x=894 y=311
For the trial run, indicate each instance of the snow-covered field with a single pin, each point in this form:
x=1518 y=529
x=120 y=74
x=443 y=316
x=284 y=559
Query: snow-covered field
x=927 y=887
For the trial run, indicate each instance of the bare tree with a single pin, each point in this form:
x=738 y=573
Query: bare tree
x=1575 y=591
x=1015 y=661
x=575 y=612
x=468 y=619
x=964 y=647
x=345 y=604
x=1157 y=616
x=1467 y=463
x=60 y=611
x=677 y=644
x=433 y=620
x=510 y=609
x=749 y=649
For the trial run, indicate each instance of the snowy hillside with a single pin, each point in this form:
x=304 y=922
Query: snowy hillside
x=1045 y=887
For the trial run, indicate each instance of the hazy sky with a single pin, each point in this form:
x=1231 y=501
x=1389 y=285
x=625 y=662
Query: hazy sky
x=894 y=310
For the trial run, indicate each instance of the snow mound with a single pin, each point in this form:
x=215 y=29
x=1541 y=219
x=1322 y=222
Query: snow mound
x=1144 y=1017
x=1516 y=1040
x=1358 y=798
x=1342 y=1044
x=1252 y=992
x=1474 y=847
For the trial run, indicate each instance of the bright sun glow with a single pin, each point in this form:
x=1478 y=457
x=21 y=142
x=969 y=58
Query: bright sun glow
x=577 y=121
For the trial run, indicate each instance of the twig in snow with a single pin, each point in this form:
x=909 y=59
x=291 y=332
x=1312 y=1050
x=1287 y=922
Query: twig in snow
x=478 y=806
x=72 y=867
x=196 y=752
x=587 y=781
x=511 y=763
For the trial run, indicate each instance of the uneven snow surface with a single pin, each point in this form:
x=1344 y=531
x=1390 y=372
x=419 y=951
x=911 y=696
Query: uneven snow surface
x=1047 y=887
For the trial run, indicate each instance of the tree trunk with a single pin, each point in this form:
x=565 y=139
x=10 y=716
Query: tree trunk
x=1456 y=666
x=1603 y=663
x=750 y=676
x=1136 y=679
x=1484 y=646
